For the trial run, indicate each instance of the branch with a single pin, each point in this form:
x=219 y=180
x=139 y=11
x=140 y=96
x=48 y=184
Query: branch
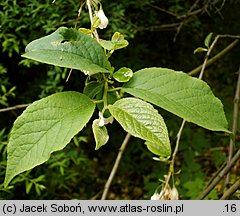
x=207 y=56
x=234 y=126
x=163 y=27
x=90 y=10
x=215 y=58
x=79 y=13
x=14 y=107
x=221 y=174
x=171 y=168
x=164 y=10
x=184 y=20
x=115 y=167
x=231 y=190
x=75 y=26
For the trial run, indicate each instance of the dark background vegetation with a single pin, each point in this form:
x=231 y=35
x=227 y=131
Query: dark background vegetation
x=152 y=29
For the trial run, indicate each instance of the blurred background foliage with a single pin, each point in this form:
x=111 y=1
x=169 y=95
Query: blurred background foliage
x=160 y=33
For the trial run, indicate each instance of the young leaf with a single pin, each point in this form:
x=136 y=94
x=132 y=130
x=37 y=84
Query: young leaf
x=200 y=49
x=100 y=134
x=69 y=48
x=123 y=74
x=176 y=92
x=119 y=41
x=108 y=45
x=208 y=39
x=141 y=120
x=85 y=31
x=44 y=127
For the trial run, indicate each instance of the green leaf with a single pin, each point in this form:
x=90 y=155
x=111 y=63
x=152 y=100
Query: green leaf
x=44 y=127
x=96 y=22
x=100 y=134
x=141 y=120
x=108 y=45
x=200 y=49
x=117 y=37
x=69 y=48
x=119 y=41
x=177 y=92
x=85 y=31
x=28 y=186
x=208 y=39
x=123 y=74
x=93 y=88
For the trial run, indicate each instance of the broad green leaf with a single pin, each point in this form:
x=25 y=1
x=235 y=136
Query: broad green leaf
x=123 y=74
x=45 y=126
x=69 y=48
x=100 y=134
x=141 y=120
x=208 y=39
x=200 y=49
x=93 y=88
x=177 y=92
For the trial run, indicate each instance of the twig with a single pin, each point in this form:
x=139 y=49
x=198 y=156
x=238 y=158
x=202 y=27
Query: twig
x=223 y=3
x=115 y=167
x=231 y=190
x=234 y=127
x=207 y=56
x=163 y=10
x=79 y=14
x=14 y=107
x=183 y=22
x=90 y=10
x=163 y=27
x=230 y=36
x=221 y=174
x=217 y=172
x=75 y=26
x=215 y=58
x=91 y=18
x=171 y=168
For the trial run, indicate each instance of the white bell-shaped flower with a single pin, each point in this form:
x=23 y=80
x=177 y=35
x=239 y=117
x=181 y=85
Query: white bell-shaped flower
x=104 y=20
x=174 y=194
x=155 y=196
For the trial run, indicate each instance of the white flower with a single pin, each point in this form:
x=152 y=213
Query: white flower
x=174 y=194
x=161 y=195
x=155 y=196
x=101 y=120
x=104 y=20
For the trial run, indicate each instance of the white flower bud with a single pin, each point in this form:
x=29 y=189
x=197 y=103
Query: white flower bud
x=174 y=194
x=104 y=20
